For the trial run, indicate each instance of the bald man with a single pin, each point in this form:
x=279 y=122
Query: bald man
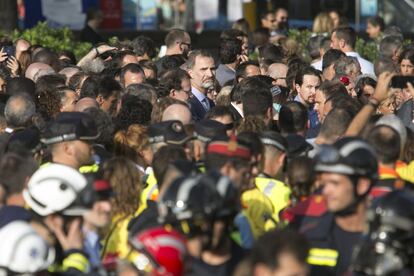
x=178 y=112
x=37 y=69
x=85 y=103
x=278 y=72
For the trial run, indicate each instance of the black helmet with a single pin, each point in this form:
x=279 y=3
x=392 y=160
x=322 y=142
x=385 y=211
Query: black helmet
x=388 y=246
x=350 y=156
x=196 y=200
x=230 y=197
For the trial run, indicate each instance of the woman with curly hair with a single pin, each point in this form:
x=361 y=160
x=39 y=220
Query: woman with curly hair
x=125 y=180
x=49 y=101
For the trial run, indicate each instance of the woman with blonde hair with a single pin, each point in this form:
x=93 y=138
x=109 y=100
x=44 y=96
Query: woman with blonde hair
x=322 y=24
x=133 y=144
x=126 y=183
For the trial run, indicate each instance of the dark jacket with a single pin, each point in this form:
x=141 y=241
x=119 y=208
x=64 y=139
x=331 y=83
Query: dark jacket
x=197 y=109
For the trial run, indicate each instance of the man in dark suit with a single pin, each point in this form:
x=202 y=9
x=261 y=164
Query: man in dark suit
x=201 y=68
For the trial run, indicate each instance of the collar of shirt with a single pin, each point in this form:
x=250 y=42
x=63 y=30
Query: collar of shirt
x=238 y=109
x=91 y=237
x=298 y=99
x=200 y=96
x=353 y=54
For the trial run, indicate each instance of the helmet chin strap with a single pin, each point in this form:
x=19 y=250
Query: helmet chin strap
x=353 y=206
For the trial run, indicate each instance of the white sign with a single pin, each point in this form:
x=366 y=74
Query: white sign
x=234 y=10
x=206 y=9
x=64 y=13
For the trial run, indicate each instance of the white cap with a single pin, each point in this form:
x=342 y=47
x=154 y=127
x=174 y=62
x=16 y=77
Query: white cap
x=23 y=250
x=54 y=188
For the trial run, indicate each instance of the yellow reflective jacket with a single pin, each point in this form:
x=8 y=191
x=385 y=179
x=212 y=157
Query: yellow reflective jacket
x=115 y=244
x=257 y=208
x=276 y=191
x=150 y=191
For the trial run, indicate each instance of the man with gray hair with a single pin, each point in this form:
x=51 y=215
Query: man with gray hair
x=18 y=112
x=389 y=48
x=201 y=68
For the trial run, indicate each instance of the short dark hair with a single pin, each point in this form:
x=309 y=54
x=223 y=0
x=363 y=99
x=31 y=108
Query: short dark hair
x=336 y=123
x=90 y=87
x=346 y=33
x=376 y=21
x=133 y=111
x=241 y=69
x=173 y=36
x=330 y=57
x=15 y=170
x=229 y=50
x=148 y=64
x=301 y=176
x=171 y=62
x=232 y=34
x=293 y=117
x=344 y=101
x=263 y=15
x=144 y=45
x=163 y=158
x=362 y=82
x=107 y=86
x=257 y=99
x=131 y=67
x=328 y=88
x=260 y=36
x=386 y=142
x=20 y=85
x=295 y=65
x=275 y=243
x=171 y=80
x=271 y=52
x=218 y=111
x=48 y=83
x=104 y=124
x=325 y=44
x=309 y=70
x=407 y=54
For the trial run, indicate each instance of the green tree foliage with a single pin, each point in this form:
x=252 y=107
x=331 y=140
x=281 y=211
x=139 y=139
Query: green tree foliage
x=56 y=39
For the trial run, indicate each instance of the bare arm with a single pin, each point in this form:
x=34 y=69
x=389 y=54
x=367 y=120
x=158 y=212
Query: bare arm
x=363 y=116
x=94 y=53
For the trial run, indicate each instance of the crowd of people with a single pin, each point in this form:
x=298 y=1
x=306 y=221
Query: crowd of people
x=122 y=163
